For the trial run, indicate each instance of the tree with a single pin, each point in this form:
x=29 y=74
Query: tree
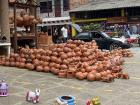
x=91 y=27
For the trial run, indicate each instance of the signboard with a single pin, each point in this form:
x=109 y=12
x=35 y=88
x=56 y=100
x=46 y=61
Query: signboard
x=117 y=20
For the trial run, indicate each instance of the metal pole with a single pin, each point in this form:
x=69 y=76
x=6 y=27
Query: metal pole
x=4 y=20
x=15 y=30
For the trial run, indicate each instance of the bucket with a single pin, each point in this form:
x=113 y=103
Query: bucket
x=68 y=99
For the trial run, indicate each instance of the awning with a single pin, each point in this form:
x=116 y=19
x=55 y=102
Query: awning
x=107 y=4
x=55 y=21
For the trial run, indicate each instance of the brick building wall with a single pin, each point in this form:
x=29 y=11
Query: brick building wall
x=52 y=13
x=77 y=3
x=72 y=4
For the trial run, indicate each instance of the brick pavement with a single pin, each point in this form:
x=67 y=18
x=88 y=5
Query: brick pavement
x=120 y=92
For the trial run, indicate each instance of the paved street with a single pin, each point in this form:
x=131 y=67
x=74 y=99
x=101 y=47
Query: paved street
x=120 y=92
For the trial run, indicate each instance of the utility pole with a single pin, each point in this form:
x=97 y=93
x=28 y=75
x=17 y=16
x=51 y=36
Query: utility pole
x=4 y=19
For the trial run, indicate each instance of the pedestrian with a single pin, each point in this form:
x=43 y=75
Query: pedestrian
x=64 y=31
x=55 y=37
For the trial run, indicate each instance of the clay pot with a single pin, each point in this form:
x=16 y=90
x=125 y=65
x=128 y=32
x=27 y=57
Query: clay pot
x=34 y=21
x=98 y=76
x=22 y=55
x=88 y=69
x=3 y=63
x=12 y=59
x=21 y=65
x=83 y=70
x=17 y=64
x=104 y=73
x=107 y=79
x=45 y=64
x=31 y=17
x=12 y=64
x=70 y=74
x=93 y=71
x=29 y=66
x=36 y=62
x=39 y=68
x=80 y=75
x=125 y=76
x=64 y=66
x=22 y=13
x=23 y=60
x=91 y=77
x=7 y=63
x=62 y=74
x=55 y=71
x=85 y=74
x=26 y=18
x=108 y=71
x=32 y=56
x=38 y=56
x=46 y=69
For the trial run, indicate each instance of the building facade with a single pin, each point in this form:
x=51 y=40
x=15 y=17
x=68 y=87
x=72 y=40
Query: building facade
x=58 y=8
x=53 y=8
x=55 y=13
x=109 y=12
x=77 y=3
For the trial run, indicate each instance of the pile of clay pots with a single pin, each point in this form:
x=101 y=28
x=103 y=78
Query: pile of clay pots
x=25 y=20
x=74 y=59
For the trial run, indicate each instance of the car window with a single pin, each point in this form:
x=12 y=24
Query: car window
x=105 y=34
x=96 y=35
x=83 y=35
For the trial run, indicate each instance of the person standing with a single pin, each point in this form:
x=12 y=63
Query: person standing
x=64 y=31
x=55 y=37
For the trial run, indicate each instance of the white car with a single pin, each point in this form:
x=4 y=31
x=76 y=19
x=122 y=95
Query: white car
x=131 y=39
x=122 y=39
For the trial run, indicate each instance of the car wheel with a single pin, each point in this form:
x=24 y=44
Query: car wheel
x=113 y=46
x=139 y=42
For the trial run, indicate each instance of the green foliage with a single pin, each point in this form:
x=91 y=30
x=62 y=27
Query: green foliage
x=91 y=27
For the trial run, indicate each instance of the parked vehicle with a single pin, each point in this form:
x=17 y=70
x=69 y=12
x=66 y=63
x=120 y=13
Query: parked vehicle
x=134 y=39
x=131 y=39
x=102 y=39
x=122 y=39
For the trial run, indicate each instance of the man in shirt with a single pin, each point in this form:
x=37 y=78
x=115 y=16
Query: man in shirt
x=64 y=31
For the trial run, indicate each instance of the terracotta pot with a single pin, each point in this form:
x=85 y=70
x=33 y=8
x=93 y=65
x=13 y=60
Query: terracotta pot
x=46 y=69
x=91 y=77
x=29 y=66
x=93 y=71
x=108 y=71
x=7 y=63
x=70 y=74
x=80 y=75
x=12 y=64
x=3 y=63
x=106 y=79
x=39 y=68
x=12 y=59
x=103 y=73
x=98 y=76
x=85 y=74
x=17 y=64
x=55 y=71
x=21 y=65
x=88 y=69
x=62 y=74
x=125 y=76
